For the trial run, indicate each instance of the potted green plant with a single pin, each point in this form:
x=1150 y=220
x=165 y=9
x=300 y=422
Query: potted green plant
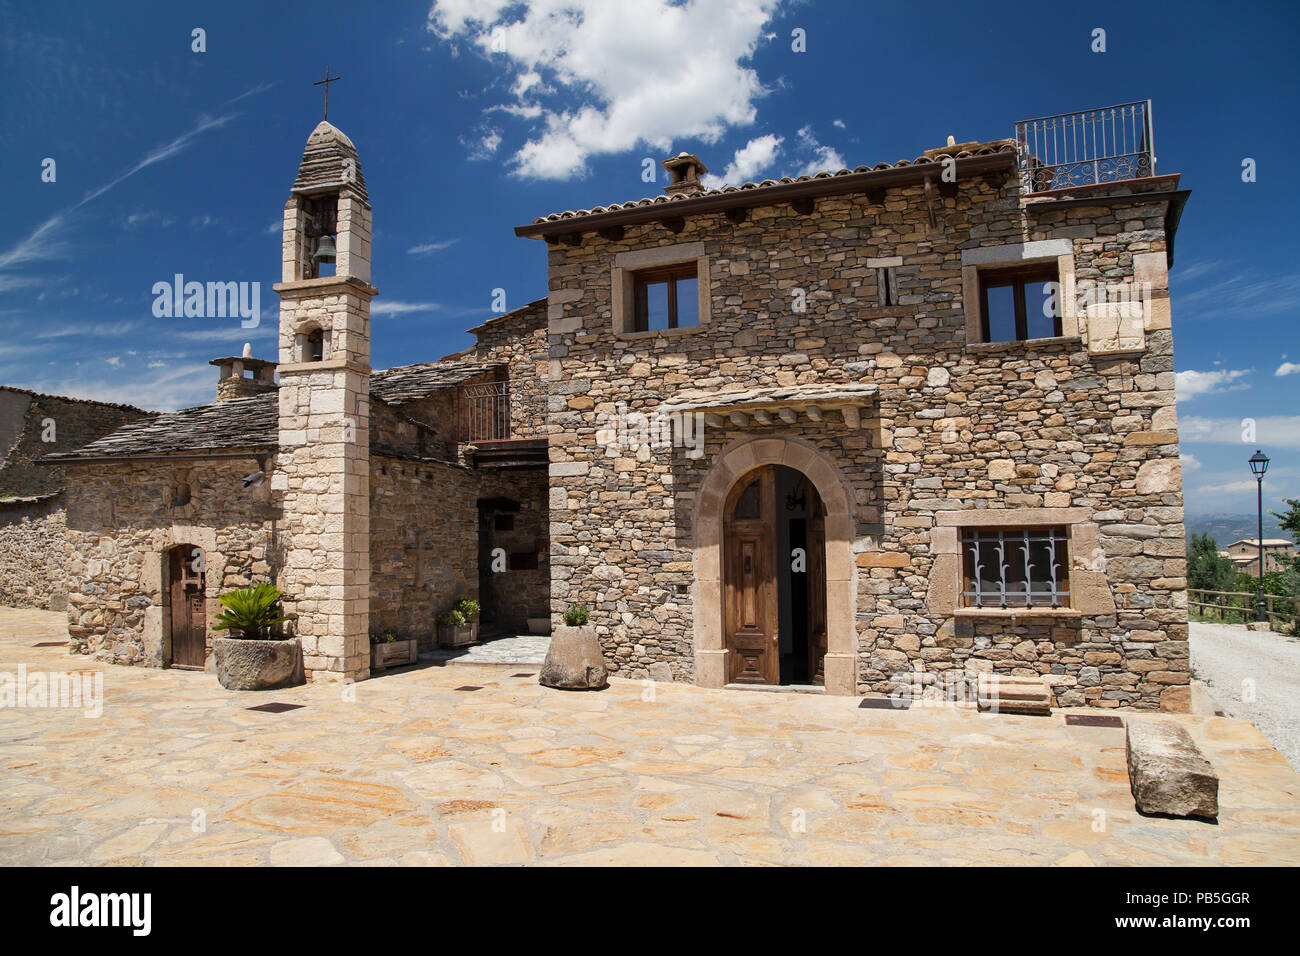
x=469 y=609
x=256 y=655
x=388 y=650
x=454 y=629
x=574 y=659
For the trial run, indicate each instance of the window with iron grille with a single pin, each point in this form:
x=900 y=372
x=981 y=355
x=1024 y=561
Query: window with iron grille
x=1015 y=567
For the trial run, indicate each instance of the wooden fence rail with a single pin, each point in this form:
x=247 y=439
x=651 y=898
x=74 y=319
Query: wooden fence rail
x=1278 y=609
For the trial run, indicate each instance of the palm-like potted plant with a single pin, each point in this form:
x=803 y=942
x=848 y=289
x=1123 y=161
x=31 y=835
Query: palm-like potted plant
x=255 y=656
x=574 y=659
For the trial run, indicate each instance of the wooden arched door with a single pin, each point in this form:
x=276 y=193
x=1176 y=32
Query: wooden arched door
x=749 y=596
x=187 y=594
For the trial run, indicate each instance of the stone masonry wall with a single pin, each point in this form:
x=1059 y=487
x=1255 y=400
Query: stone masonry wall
x=33 y=543
x=121 y=522
x=72 y=424
x=423 y=544
x=961 y=427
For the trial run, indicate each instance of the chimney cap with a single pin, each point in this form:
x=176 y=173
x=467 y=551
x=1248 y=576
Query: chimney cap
x=250 y=364
x=684 y=172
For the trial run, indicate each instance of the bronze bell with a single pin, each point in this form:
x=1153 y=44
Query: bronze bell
x=325 y=251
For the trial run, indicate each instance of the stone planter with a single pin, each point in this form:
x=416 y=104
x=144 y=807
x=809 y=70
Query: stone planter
x=574 y=661
x=450 y=635
x=257 y=665
x=393 y=654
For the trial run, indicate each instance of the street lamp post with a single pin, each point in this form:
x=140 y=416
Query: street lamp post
x=1259 y=465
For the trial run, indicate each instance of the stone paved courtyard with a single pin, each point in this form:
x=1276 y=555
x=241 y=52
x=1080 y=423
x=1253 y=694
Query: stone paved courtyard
x=418 y=770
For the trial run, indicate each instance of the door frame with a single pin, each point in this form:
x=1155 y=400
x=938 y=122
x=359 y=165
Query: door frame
x=712 y=666
x=751 y=542
x=184 y=553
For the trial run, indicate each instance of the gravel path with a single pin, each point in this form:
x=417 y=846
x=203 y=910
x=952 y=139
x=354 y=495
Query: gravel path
x=1226 y=656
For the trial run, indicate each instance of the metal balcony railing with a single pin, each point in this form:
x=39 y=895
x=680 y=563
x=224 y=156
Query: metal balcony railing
x=1108 y=145
x=493 y=411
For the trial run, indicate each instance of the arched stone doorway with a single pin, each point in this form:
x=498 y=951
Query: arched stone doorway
x=721 y=542
x=187 y=629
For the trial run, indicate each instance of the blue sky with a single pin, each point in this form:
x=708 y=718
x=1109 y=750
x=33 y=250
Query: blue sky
x=474 y=116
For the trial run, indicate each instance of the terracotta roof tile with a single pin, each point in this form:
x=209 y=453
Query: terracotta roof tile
x=984 y=150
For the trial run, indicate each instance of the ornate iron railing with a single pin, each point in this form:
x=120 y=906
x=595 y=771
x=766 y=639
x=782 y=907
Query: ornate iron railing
x=1085 y=148
x=493 y=411
x=1016 y=567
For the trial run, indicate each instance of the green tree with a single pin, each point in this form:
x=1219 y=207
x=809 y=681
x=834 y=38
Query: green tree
x=1207 y=569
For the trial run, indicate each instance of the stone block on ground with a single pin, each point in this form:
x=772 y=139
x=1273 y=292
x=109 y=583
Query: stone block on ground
x=1167 y=772
x=574 y=660
x=1014 y=695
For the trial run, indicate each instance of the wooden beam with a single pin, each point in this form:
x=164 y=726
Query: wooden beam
x=788 y=415
x=739 y=419
x=929 y=201
x=947 y=190
x=851 y=417
x=612 y=233
x=804 y=205
x=571 y=238
x=876 y=196
x=737 y=215
x=674 y=224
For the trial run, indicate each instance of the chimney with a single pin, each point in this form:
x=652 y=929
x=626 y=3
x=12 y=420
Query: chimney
x=684 y=172
x=241 y=376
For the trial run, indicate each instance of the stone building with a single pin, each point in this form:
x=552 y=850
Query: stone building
x=869 y=431
x=1279 y=554
x=32 y=527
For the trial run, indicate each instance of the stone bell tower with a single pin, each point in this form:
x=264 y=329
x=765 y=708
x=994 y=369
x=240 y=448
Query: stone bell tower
x=323 y=468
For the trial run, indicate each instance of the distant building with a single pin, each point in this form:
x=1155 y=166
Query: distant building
x=1279 y=553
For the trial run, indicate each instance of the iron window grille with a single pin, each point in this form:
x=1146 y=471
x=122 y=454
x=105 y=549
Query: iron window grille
x=1016 y=567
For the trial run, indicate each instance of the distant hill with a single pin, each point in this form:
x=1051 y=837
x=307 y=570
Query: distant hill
x=1225 y=528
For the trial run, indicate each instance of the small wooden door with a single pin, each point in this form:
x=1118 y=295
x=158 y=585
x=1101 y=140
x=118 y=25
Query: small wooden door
x=189 y=632
x=816 y=544
x=749 y=579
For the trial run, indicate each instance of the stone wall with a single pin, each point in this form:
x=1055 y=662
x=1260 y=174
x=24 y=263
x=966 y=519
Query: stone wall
x=423 y=544
x=122 y=519
x=511 y=596
x=518 y=339
x=33 y=543
x=957 y=426
x=28 y=419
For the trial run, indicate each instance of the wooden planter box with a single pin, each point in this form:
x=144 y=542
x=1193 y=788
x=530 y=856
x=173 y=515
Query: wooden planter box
x=393 y=654
x=451 y=636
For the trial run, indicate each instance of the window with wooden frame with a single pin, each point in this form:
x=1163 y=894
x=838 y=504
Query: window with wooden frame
x=1015 y=567
x=665 y=298
x=1019 y=304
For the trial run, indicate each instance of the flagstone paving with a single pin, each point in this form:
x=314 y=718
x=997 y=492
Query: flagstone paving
x=419 y=769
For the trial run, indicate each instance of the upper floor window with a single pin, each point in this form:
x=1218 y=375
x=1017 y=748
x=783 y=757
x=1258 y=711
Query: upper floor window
x=1020 y=303
x=666 y=298
x=1015 y=567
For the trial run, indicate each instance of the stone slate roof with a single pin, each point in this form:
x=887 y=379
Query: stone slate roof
x=251 y=422
x=406 y=383
x=983 y=150
x=324 y=162
x=69 y=398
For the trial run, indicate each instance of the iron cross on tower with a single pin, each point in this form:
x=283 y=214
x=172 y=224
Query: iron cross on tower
x=326 y=83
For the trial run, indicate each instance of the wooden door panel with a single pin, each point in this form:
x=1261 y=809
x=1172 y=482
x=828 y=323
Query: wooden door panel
x=188 y=609
x=749 y=583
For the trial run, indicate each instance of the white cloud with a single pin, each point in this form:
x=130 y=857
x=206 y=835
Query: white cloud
x=1287 y=368
x=602 y=77
x=838 y=124
x=426 y=248
x=1278 y=431
x=401 y=308
x=1190 y=463
x=823 y=157
x=114 y=360
x=273 y=228
x=752 y=159
x=1192 y=383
